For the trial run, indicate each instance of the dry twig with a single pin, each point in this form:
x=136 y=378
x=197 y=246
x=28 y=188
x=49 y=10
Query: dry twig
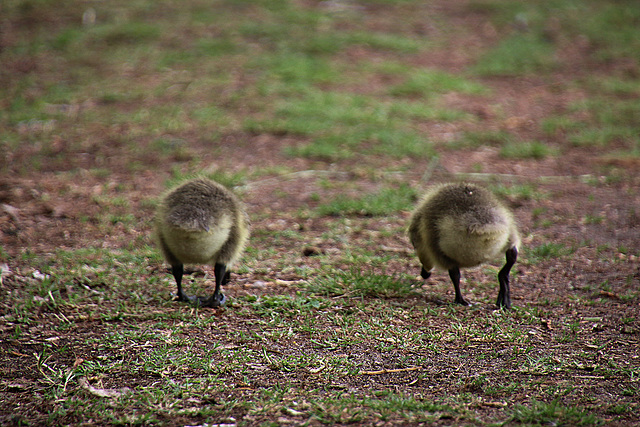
x=390 y=371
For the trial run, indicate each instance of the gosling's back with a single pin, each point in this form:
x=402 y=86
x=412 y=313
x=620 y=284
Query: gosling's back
x=201 y=222
x=461 y=225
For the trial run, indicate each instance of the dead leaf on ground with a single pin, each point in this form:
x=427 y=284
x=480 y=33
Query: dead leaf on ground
x=102 y=392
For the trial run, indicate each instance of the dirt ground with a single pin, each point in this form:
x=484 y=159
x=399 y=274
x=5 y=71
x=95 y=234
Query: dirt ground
x=597 y=286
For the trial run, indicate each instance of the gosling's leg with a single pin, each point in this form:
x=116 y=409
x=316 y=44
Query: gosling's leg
x=454 y=273
x=425 y=274
x=222 y=277
x=504 y=296
x=178 y=270
x=227 y=276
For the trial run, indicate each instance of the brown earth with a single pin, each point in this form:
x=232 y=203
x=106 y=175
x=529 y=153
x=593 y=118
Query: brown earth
x=596 y=287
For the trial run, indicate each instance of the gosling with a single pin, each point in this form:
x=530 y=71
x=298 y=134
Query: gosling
x=463 y=225
x=201 y=222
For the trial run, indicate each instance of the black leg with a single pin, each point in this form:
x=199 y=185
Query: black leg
x=425 y=274
x=222 y=277
x=454 y=273
x=504 y=296
x=227 y=276
x=178 y=270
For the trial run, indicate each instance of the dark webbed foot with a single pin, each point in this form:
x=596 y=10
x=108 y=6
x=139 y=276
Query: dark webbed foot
x=214 y=301
x=462 y=301
x=503 y=302
x=199 y=301
x=222 y=277
x=186 y=298
x=425 y=274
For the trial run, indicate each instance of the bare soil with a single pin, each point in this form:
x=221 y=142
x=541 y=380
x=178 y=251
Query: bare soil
x=596 y=287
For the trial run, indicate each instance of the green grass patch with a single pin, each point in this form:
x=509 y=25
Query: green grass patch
x=543 y=413
x=603 y=137
x=319 y=111
x=609 y=123
x=606 y=122
x=294 y=68
x=385 y=202
x=518 y=192
x=526 y=150
x=615 y=85
x=517 y=55
x=479 y=138
x=355 y=409
x=611 y=30
x=426 y=83
x=342 y=125
x=284 y=304
x=561 y=124
x=358 y=283
x=346 y=336
x=549 y=250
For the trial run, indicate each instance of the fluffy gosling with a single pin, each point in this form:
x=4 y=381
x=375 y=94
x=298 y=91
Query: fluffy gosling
x=463 y=225
x=201 y=222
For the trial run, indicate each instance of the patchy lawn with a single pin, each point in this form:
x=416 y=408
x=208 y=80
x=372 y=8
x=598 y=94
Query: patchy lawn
x=329 y=119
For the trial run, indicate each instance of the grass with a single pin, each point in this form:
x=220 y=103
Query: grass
x=531 y=49
x=511 y=147
x=349 y=409
x=98 y=117
x=549 y=250
x=190 y=358
x=384 y=202
x=343 y=125
x=541 y=413
x=608 y=125
x=479 y=138
x=518 y=192
x=428 y=83
x=356 y=283
x=531 y=41
x=526 y=150
x=521 y=54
